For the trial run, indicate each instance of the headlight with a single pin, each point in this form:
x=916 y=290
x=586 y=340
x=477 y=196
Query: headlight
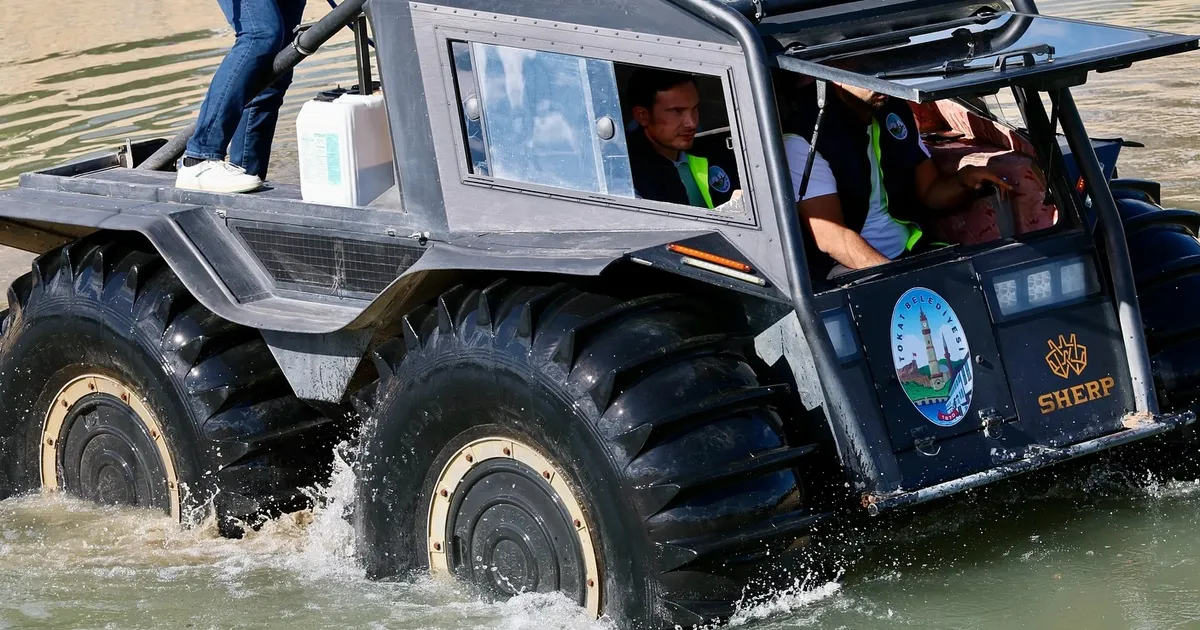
x=1043 y=285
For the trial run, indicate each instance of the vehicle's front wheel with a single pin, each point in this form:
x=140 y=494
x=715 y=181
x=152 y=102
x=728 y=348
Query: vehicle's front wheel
x=547 y=439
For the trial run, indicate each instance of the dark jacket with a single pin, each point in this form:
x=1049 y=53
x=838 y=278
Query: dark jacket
x=655 y=177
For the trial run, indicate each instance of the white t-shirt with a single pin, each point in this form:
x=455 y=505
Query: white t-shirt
x=820 y=181
x=879 y=230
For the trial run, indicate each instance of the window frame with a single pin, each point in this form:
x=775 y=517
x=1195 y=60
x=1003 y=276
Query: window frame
x=446 y=36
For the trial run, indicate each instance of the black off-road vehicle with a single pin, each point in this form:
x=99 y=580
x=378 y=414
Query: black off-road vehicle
x=563 y=386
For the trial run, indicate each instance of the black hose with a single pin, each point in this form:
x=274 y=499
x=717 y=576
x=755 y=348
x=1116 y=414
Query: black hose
x=305 y=44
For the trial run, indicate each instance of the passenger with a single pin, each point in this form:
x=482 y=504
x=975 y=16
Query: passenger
x=232 y=117
x=666 y=106
x=872 y=179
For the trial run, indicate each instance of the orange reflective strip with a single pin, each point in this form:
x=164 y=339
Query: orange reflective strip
x=712 y=258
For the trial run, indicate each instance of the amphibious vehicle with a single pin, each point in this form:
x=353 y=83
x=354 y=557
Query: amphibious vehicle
x=557 y=385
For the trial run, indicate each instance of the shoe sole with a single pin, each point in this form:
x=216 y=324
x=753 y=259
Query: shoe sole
x=197 y=187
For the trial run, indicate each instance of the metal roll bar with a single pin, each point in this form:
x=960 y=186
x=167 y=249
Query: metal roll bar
x=838 y=406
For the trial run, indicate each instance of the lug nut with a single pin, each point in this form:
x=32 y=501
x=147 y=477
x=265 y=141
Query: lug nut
x=443 y=492
x=507 y=451
x=65 y=404
x=49 y=441
x=546 y=474
x=578 y=523
x=591 y=583
x=437 y=546
x=92 y=386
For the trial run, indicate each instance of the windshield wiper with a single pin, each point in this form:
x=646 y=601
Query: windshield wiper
x=1027 y=56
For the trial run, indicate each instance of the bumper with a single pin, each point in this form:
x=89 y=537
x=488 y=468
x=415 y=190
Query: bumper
x=1137 y=427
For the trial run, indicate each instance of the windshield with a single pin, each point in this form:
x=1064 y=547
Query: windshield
x=978 y=54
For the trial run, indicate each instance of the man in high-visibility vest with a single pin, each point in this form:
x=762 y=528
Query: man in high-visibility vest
x=666 y=106
x=872 y=178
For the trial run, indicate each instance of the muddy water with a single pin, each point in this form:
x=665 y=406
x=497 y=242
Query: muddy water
x=1092 y=546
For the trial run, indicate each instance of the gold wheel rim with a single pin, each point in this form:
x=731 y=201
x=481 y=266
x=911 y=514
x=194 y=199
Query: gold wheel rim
x=88 y=385
x=482 y=450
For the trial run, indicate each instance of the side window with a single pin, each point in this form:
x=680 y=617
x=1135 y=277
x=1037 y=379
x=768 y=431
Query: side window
x=569 y=122
x=544 y=118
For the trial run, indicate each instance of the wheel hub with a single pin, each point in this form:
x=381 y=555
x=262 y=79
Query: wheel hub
x=101 y=443
x=503 y=518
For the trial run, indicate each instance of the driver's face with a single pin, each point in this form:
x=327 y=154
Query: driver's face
x=675 y=117
x=874 y=100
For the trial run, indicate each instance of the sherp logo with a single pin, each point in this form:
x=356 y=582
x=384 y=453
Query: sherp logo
x=1067 y=356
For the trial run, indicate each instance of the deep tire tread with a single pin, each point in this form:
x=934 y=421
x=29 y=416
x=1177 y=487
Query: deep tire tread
x=607 y=353
x=225 y=372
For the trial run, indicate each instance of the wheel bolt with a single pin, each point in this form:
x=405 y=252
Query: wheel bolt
x=92 y=386
x=65 y=404
x=591 y=583
x=125 y=396
x=507 y=451
x=437 y=546
x=470 y=459
x=153 y=434
x=49 y=441
x=546 y=474
x=444 y=493
x=578 y=523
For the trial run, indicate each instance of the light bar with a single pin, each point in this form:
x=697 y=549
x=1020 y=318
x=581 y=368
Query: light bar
x=712 y=258
x=1043 y=285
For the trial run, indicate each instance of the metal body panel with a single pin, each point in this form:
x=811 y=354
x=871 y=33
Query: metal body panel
x=474 y=204
x=408 y=118
x=318 y=367
x=655 y=18
x=963 y=313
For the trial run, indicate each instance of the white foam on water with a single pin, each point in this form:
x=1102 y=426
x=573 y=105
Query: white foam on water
x=802 y=594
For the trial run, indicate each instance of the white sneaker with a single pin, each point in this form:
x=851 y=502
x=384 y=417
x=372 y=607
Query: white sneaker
x=216 y=176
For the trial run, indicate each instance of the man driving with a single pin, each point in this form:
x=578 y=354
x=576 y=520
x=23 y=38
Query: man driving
x=666 y=163
x=872 y=178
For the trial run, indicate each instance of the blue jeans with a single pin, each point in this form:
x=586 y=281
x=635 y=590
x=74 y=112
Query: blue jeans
x=229 y=117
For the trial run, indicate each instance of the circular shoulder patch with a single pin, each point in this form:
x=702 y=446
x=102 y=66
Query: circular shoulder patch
x=896 y=126
x=718 y=179
x=931 y=357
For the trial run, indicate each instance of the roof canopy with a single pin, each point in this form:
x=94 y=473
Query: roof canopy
x=976 y=55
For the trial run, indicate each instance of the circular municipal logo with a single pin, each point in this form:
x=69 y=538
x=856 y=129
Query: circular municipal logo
x=931 y=356
x=718 y=179
x=896 y=126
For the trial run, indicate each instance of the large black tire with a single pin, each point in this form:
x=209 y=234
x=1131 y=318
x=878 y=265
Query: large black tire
x=1165 y=256
x=648 y=409
x=163 y=404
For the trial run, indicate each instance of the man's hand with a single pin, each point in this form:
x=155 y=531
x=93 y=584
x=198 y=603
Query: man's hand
x=974 y=178
x=945 y=191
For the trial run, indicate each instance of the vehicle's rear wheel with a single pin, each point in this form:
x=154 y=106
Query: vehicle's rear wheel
x=1165 y=255
x=547 y=439
x=118 y=387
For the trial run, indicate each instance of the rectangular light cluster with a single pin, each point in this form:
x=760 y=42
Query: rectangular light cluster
x=1044 y=284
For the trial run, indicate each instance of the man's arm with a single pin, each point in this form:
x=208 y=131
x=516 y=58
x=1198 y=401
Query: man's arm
x=823 y=217
x=947 y=191
x=821 y=210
